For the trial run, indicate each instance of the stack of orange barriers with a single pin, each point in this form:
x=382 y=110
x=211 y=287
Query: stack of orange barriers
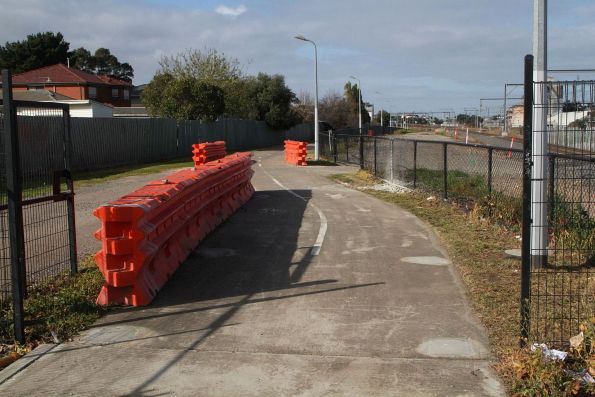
x=209 y=151
x=295 y=152
x=147 y=234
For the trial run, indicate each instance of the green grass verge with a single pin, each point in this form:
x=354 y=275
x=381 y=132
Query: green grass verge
x=94 y=177
x=57 y=310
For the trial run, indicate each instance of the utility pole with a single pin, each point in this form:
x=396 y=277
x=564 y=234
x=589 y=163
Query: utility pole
x=539 y=199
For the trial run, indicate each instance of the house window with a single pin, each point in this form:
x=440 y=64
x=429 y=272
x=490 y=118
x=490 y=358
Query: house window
x=126 y=94
x=92 y=92
x=115 y=93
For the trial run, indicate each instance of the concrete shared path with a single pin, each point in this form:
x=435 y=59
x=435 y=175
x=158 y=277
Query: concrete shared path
x=312 y=289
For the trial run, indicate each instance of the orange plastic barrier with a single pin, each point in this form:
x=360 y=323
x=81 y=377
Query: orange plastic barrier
x=147 y=234
x=208 y=151
x=295 y=152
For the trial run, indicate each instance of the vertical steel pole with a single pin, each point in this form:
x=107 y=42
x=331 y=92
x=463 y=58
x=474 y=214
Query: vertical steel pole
x=414 y=164
x=505 y=108
x=361 y=151
x=527 y=186
x=316 y=126
x=70 y=186
x=392 y=159
x=14 y=190
x=539 y=227
x=445 y=158
x=490 y=168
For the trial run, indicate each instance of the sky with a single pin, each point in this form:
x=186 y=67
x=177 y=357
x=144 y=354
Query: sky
x=421 y=55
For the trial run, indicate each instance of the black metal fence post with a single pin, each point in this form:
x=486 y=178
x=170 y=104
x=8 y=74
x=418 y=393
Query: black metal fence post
x=445 y=157
x=70 y=186
x=490 y=169
x=361 y=151
x=335 y=157
x=526 y=227
x=415 y=164
x=14 y=191
x=346 y=149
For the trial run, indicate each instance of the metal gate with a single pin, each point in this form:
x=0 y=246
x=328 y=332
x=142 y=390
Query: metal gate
x=558 y=276
x=37 y=228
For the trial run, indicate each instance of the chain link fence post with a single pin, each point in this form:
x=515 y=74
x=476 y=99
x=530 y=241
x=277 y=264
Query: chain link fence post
x=445 y=158
x=526 y=227
x=415 y=164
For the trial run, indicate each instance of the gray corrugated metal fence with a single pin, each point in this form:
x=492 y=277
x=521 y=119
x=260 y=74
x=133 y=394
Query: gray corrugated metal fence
x=100 y=143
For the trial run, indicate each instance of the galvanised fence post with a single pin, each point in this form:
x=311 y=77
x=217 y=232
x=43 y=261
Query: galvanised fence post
x=392 y=159
x=526 y=228
x=415 y=164
x=490 y=168
x=445 y=157
x=14 y=190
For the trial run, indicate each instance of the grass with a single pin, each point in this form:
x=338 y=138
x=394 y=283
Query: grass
x=55 y=311
x=94 y=177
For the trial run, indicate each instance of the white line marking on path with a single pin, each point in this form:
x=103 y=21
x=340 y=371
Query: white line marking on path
x=323 y=221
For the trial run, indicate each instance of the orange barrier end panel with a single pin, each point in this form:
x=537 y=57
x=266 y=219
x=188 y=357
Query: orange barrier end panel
x=296 y=152
x=207 y=152
x=148 y=233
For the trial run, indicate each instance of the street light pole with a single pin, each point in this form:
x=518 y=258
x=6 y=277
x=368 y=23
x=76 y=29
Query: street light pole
x=359 y=89
x=316 y=128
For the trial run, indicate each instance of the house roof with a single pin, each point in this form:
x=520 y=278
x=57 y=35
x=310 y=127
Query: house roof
x=38 y=96
x=60 y=73
x=49 y=96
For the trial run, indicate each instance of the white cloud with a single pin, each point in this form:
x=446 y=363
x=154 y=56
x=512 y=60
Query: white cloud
x=231 y=12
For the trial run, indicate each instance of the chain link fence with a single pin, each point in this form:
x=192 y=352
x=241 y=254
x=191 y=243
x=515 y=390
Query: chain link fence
x=561 y=294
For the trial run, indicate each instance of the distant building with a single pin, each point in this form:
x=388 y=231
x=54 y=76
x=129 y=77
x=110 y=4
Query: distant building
x=74 y=84
x=77 y=107
x=515 y=116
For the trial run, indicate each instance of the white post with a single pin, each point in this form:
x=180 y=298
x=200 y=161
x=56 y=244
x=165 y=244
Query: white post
x=539 y=226
x=316 y=127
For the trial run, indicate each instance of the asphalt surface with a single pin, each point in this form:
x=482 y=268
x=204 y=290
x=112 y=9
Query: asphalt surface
x=258 y=311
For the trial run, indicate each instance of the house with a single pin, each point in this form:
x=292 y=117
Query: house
x=77 y=107
x=515 y=116
x=74 y=84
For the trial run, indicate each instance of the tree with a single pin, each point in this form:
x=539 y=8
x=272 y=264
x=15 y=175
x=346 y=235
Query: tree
x=468 y=120
x=103 y=62
x=335 y=110
x=305 y=107
x=38 y=50
x=352 y=95
x=184 y=98
x=385 y=117
x=45 y=49
x=273 y=100
x=215 y=68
